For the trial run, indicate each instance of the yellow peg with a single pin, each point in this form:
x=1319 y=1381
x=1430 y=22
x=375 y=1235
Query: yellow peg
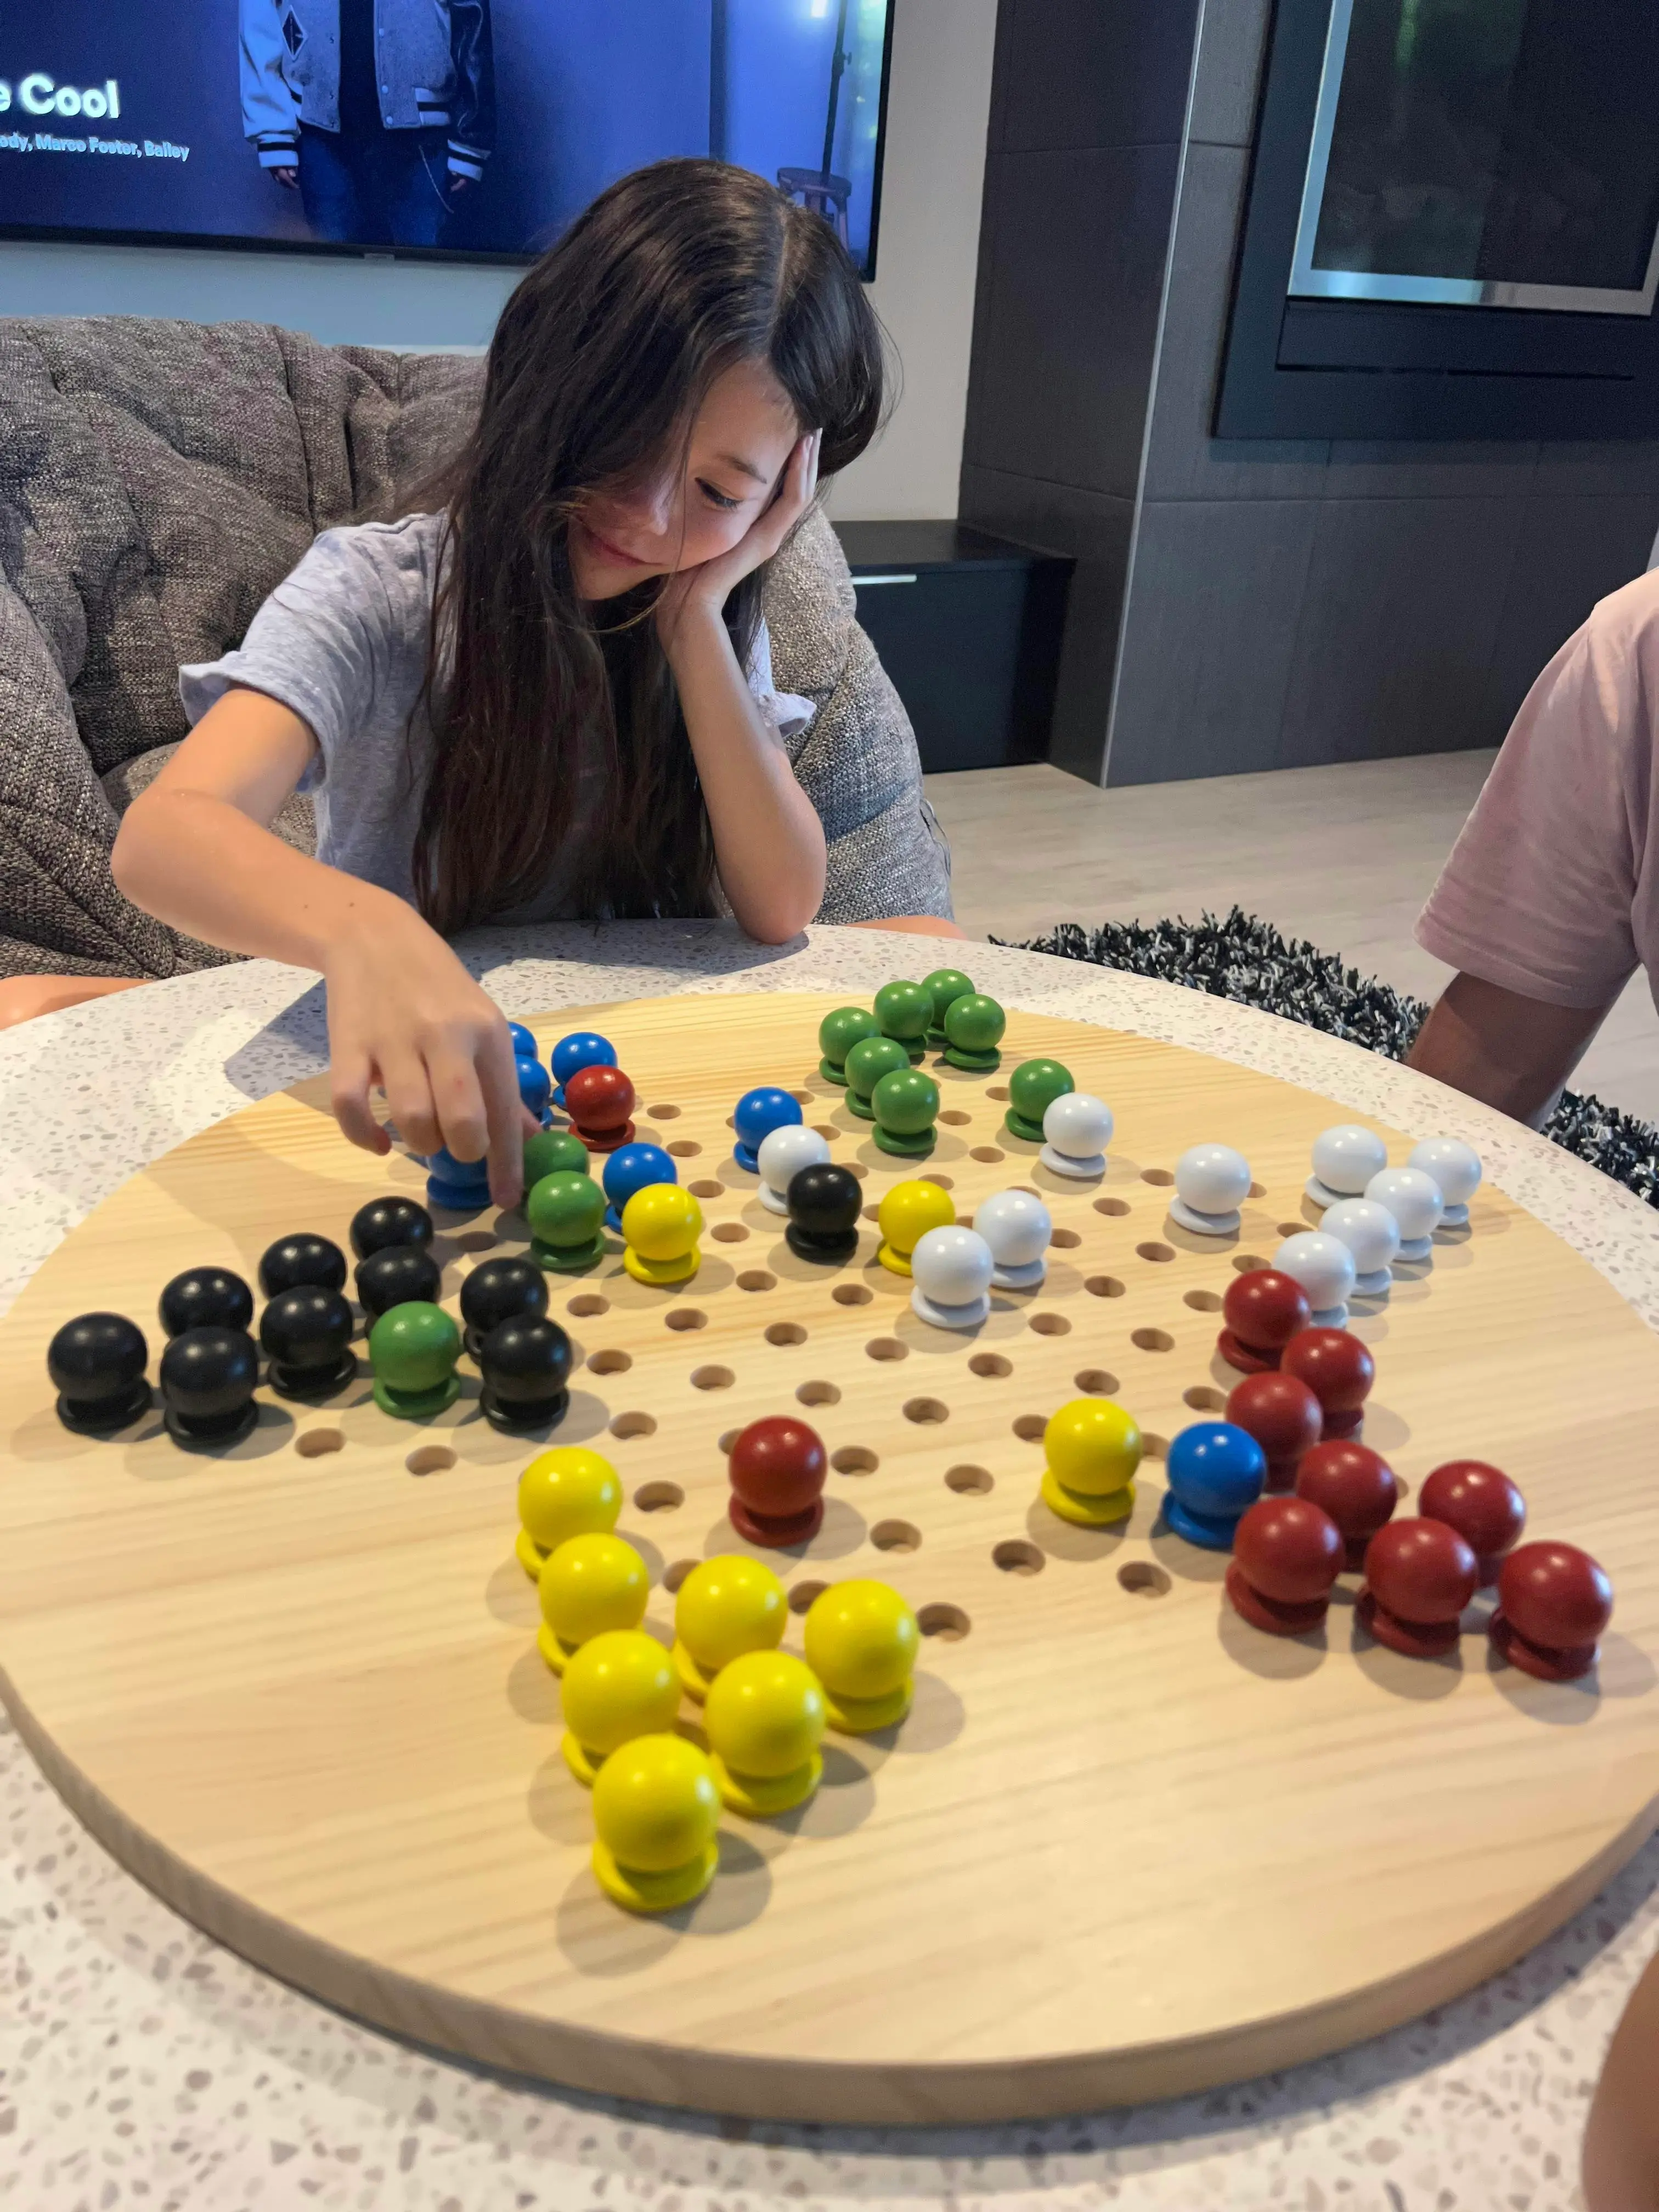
x=619 y=1685
x=725 y=1606
x=656 y=1811
x=567 y=1491
x=765 y=1718
x=660 y=1227
x=590 y=1584
x=1093 y=1449
x=904 y=1217
x=861 y=1641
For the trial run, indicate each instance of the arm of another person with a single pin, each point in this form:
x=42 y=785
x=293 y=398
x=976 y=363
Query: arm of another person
x=195 y=850
x=1534 y=906
x=1621 y=2141
x=1510 y=1052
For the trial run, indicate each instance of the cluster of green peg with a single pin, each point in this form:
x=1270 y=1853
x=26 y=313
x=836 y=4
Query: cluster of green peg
x=874 y=1054
x=658 y=1794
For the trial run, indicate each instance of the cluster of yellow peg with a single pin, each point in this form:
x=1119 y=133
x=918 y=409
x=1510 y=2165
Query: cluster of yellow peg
x=657 y=1796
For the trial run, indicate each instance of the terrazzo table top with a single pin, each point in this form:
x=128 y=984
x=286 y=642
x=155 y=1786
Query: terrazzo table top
x=140 y=2065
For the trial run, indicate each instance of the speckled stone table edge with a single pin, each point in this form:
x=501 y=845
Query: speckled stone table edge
x=141 y=2064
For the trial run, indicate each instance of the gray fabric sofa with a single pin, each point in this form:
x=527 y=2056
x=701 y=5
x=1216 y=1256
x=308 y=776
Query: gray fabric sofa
x=157 y=479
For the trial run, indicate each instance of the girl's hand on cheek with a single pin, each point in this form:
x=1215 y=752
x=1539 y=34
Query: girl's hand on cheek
x=404 y=1016
x=706 y=588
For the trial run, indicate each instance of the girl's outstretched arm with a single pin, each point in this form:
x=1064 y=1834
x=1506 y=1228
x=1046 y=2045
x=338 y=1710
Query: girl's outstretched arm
x=768 y=842
x=404 y=1015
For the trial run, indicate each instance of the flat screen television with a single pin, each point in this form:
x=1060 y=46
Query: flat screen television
x=467 y=130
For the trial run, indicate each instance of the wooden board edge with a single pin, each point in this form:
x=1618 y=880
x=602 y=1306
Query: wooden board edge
x=517 y=2045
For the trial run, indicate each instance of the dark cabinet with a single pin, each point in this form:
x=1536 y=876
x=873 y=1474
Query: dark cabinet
x=969 y=628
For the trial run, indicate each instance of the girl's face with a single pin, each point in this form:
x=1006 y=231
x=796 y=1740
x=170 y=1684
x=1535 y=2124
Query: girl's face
x=740 y=446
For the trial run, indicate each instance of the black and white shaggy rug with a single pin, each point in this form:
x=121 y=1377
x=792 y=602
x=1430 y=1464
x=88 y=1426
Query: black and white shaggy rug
x=1244 y=958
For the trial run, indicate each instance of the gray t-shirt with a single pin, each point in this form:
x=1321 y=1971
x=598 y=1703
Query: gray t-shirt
x=342 y=641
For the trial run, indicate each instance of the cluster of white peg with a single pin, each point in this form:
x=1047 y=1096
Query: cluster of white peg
x=1374 y=1214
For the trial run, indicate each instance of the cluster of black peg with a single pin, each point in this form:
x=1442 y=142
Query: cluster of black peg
x=209 y=1367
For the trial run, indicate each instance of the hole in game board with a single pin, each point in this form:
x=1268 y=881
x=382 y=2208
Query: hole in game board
x=944 y=1182
x=1258 y=1190
x=872 y=1213
x=662 y=1113
x=852 y=1294
x=729 y=1232
x=1115 y=1207
x=1028 y=1427
x=818 y=1394
x=926 y=1411
x=1291 y=1227
x=854 y=1459
x=633 y=1425
x=887 y=1348
x=801 y=1595
x=1245 y=1263
x=476 y=1240
x=1153 y=1445
x=998 y=1091
x=431 y=1459
x=684 y=1148
x=706 y=1189
x=802 y=1098
x=1103 y=1286
x=756 y=1278
x=1015 y=1557
x=969 y=1481
x=955 y=1117
x=896 y=1536
x=712 y=1378
x=991 y=1364
x=1066 y=1240
x=1096 y=1382
x=1157 y=1253
x=1203 y=1399
x=1051 y=1324
x=674 y=1574
x=786 y=1332
x=1202 y=1301
x=727 y=1438
x=659 y=1496
x=610 y=1362
x=589 y=1303
x=730 y=1122
x=685 y=1317
x=1152 y=1340
x=1160 y=1177
x=989 y=1154
x=948 y=1623
x=1141 y=1579
x=856 y=1169
x=315 y=1442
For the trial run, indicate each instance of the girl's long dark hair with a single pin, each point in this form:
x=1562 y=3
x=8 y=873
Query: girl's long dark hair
x=600 y=363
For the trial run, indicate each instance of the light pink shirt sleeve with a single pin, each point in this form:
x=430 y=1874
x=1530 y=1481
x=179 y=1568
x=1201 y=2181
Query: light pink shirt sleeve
x=1544 y=890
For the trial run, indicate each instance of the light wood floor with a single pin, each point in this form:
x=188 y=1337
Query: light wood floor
x=1344 y=856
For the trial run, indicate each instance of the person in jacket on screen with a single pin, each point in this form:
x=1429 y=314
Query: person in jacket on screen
x=382 y=113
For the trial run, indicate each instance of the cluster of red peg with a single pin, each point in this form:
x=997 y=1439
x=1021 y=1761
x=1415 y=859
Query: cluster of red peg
x=600 y=1103
x=1302 y=1398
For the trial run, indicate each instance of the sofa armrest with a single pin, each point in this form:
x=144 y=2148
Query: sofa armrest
x=60 y=911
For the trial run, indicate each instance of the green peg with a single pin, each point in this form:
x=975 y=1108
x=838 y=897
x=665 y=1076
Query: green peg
x=565 y=1212
x=550 y=1151
x=1032 y=1090
x=866 y=1064
x=904 y=1011
x=906 y=1107
x=413 y=1349
x=943 y=986
x=973 y=1030
x=837 y=1034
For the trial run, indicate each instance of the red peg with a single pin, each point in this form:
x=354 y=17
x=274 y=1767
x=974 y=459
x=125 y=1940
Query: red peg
x=1554 y=1601
x=1419 y=1576
x=600 y=1101
x=1355 y=1486
x=1263 y=1309
x=1482 y=1504
x=777 y=1467
x=1338 y=1370
x=1287 y=1557
x=1283 y=1415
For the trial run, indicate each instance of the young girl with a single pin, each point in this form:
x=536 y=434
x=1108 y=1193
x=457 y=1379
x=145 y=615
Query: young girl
x=551 y=697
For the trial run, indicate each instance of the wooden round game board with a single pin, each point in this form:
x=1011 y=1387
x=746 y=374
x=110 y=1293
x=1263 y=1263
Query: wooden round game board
x=1125 y=1846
